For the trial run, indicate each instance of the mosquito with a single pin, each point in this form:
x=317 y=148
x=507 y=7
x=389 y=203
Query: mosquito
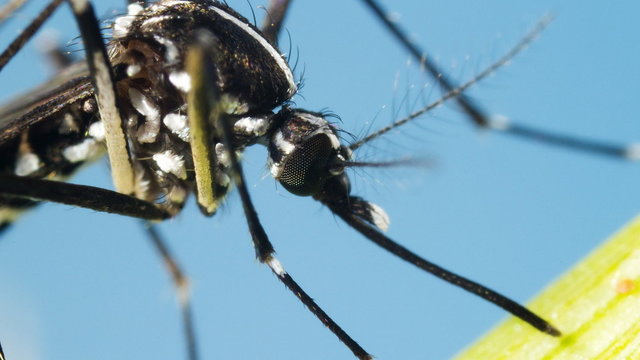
x=272 y=235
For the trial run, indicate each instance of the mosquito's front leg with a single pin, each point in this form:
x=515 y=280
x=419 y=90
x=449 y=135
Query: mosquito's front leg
x=199 y=62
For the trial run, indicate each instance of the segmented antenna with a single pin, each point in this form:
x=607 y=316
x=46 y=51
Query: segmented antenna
x=504 y=60
x=629 y=152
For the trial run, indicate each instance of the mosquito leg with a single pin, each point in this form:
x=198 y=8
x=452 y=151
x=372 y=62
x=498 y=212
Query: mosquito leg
x=344 y=206
x=27 y=33
x=472 y=110
x=272 y=24
x=88 y=197
x=181 y=283
x=625 y=152
x=200 y=62
x=479 y=116
x=102 y=80
x=200 y=103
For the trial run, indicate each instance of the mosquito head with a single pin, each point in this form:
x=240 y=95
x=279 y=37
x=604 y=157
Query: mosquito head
x=307 y=158
x=304 y=151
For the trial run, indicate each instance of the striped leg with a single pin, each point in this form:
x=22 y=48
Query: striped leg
x=348 y=208
x=102 y=80
x=88 y=197
x=199 y=62
x=181 y=284
x=480 y=117
x=117 y=146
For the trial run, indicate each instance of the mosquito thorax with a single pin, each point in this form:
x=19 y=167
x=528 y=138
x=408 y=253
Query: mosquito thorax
x=148 y=50
x=249 y=67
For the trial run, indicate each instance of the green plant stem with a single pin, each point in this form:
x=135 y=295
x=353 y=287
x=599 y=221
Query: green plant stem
x=596 y=305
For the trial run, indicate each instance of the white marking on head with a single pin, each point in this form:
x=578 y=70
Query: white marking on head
x=86 y=150
x=285 y=148
x=323 y=127
x=178 y=125
x=181 y=80
x=335 y=142
x=171 y=163
x=96 y=131
x=283 y=145
x=27 y=163
x=348 y=152
x=276 y=266
x=282 y=64
x=379 y=217
x=151 y=112
x=274 y=168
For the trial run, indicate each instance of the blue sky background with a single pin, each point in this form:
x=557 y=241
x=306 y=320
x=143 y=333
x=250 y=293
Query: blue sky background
x=510 y=214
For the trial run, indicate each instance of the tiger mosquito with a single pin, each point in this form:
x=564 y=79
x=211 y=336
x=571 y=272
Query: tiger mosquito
x=336 y=208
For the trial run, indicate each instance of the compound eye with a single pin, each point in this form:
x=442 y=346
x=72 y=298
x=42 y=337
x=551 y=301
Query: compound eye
x=306 y=169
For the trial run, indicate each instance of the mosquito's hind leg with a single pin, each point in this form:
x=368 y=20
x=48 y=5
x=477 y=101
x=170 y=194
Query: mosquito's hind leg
x=181 y=284
x=88 y=197
x=113 y=202
x=119 y=156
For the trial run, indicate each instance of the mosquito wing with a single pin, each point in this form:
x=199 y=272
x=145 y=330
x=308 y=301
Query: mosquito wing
x=70 y=86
